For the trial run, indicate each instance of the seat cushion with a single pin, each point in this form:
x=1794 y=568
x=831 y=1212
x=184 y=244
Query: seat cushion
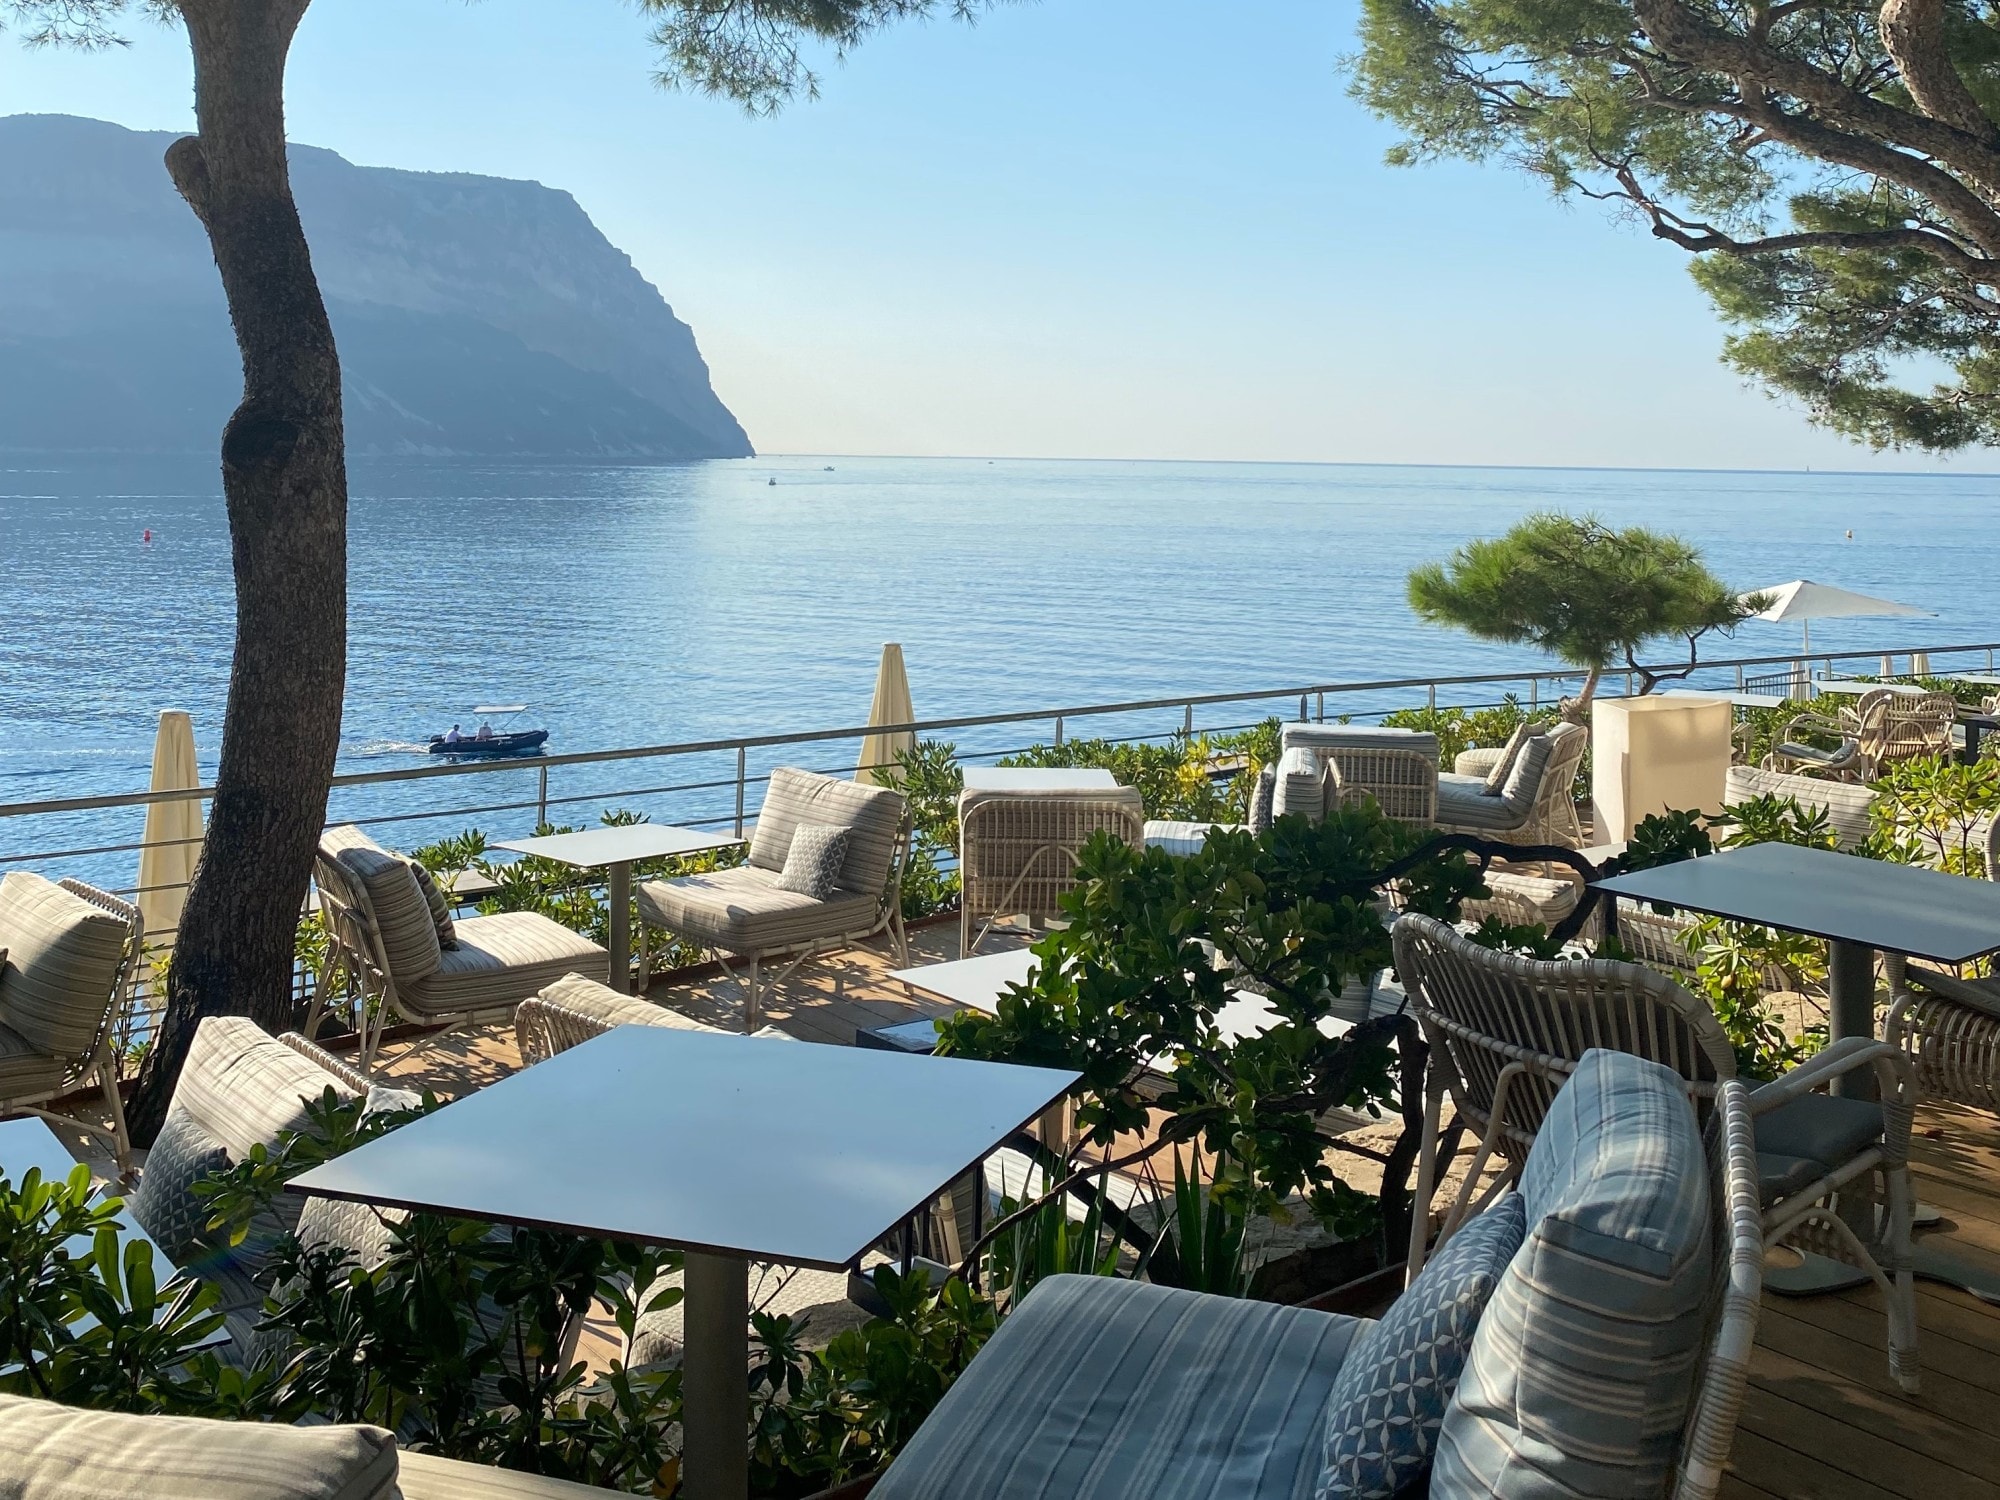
x=1102 y=1389
x=246 y=1088
x=26 y=1074
x=402 y=915
x=1299 y=784
x=63 y=955
x=1581 y=1368
x=1463 y=802
x=1383 y=1415
x=1523 y=898
x=51 y=1452
x=795 y=797
x=1846 y=805
x=500 y=961
x=1180 y=837
x=743 y=911
x=1805 y=1138
x=813 y=863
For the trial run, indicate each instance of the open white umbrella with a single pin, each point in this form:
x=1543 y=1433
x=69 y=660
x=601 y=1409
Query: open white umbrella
x=173 y=830
x=1806 y=601
x=891 y=706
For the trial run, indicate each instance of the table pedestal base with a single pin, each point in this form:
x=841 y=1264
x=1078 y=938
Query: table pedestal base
x=1815 y=1275
x=715 y=1378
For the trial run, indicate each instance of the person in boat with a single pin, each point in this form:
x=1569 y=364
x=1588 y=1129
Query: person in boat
x=453 y=737
x=485 y=731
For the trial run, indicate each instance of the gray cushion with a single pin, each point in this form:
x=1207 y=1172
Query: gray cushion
x=743 y=911
x=1805 y=1138
x=1383 y=1414
x=61 y=966
x=1462 y=802
x=814 y=860
x=1847 y=806
x=51 y=1452
x=246 y=1088
x=402 y=916
x=795 y=797
x=183 y=1154
x=1299 y=785
x=437 y=903
x=1581 y=1368
x=1116 y=1389
x=1523 y=782
x=1496 y=778
x=1178 y=836
x=26 y=1072
x=1262 y=799
x=500 y=961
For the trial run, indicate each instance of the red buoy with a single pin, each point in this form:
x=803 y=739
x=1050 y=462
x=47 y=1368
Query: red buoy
x=149 y=536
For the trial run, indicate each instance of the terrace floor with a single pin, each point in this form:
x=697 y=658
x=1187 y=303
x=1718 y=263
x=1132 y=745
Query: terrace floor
x=1822 y=1420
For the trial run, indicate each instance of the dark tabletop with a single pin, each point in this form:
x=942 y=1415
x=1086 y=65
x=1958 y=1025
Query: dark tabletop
x=793 y=1152
x=1894 y=908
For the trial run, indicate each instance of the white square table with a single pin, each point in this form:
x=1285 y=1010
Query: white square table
x=1857 y=689
x=976 y=983
x=729 y=1148
x=1038 y=779
x=615 y=849
x=1741 y=700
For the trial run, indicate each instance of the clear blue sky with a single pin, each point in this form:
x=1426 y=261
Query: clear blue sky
x=1117 y=228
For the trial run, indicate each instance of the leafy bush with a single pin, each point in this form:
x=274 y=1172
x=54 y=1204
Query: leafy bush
x=1461 y=729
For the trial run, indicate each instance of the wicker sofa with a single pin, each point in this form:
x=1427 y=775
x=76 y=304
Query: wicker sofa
x=1321 y=766
x=1121 y=1389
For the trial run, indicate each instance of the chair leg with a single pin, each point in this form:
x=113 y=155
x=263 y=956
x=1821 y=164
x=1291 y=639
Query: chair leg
x=1902 y=1289
x=750 y=998
x=1420 y=1197
x=964 y=928
x=121 y=1137
x=899 y=933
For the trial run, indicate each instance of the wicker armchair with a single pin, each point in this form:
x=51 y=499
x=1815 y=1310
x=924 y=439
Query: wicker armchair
x=1018 y=851
x=574 y=1009
x=1402 y=782
x=1506 y=1031
x=1949 y=1026
x=1537 y=809
x=70 y=952
x=1917 y=725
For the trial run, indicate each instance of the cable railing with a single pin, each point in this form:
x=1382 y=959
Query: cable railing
x=721 y=780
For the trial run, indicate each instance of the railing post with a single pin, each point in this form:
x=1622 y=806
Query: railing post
x=1431 y=697
x=1534 y=695
x=1320 y=708
x=1059 y=730
x=541 y=796
x=1739 y=677
x=741 y=758
x=1187 y=720
x=1302 y=708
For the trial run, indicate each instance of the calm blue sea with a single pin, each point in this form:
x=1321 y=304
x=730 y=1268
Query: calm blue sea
x=647 y=605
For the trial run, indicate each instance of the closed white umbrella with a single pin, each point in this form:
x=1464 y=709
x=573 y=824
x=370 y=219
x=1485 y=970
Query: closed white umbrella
x=1805 y=601
x=173 y=830
x=891 y=706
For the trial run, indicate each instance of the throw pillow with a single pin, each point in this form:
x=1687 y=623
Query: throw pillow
x=1262 y=796
x=1384 y=1411
x=813 y=863
x=383 y=1100
x=440 y=907
x=166 y=1203
x=1504 y=766
x=1524 y=778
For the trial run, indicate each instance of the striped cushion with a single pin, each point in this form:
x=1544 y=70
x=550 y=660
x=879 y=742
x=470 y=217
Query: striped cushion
x=1116 y=1389
x=1263 y=797
x=1581 y=1369
x=61 y=969
x=1501 y=769
x=436 y=903
x=25 y=1073
x=1383 y=1416
x=1523 y=782
x=51 y=1452
x=246 y=1088
x=1182 y=838
x=795 y=797
x=743 y=911
x=1300 y=787
x=500 y=961
x=346 y=836
x=409 y=936
x=1847 y=806
x=1461 y=804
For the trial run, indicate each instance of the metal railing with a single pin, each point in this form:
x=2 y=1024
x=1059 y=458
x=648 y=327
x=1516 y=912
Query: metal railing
x=719 y=780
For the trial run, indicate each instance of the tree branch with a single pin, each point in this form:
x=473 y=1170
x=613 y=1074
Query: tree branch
x=1913 y=35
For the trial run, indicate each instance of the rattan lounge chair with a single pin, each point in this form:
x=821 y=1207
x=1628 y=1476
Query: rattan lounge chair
x=1506 y=1031
x=1535 y=804
x=744 y=913
x=1948 y=1025
x=1858 y=731
x=1018 y=851
x=70 y=953
x=385 y=941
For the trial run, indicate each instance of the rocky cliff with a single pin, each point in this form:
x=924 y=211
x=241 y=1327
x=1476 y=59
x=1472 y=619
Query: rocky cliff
x=476 y=316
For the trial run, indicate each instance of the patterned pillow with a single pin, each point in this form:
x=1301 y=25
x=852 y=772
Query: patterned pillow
x=812 y=864
x=440 y=907
x=1384 y=1411
x=1262 y=795
x=1503 y=767
x=166 y=1203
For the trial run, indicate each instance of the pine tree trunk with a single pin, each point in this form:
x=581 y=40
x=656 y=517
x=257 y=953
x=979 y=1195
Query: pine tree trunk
x=284 y=479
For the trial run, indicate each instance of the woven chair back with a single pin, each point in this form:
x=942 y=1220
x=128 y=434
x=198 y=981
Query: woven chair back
x=1018 y=851
x=1483 y=1011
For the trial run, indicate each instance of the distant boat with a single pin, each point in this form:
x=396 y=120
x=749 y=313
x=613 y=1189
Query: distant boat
x=497 y=744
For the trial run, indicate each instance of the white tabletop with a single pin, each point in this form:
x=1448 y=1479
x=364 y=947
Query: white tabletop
x=1984 y=679
x=1842 y=685
x=591 y=847
x=1741 y=700
x=801 y=1153
x=1038 y=779
x=976 y=983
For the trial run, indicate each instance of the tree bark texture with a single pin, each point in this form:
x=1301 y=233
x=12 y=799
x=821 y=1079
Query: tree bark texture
x=284 y=479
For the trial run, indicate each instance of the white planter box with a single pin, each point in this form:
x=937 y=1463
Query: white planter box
x=1654 y=755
